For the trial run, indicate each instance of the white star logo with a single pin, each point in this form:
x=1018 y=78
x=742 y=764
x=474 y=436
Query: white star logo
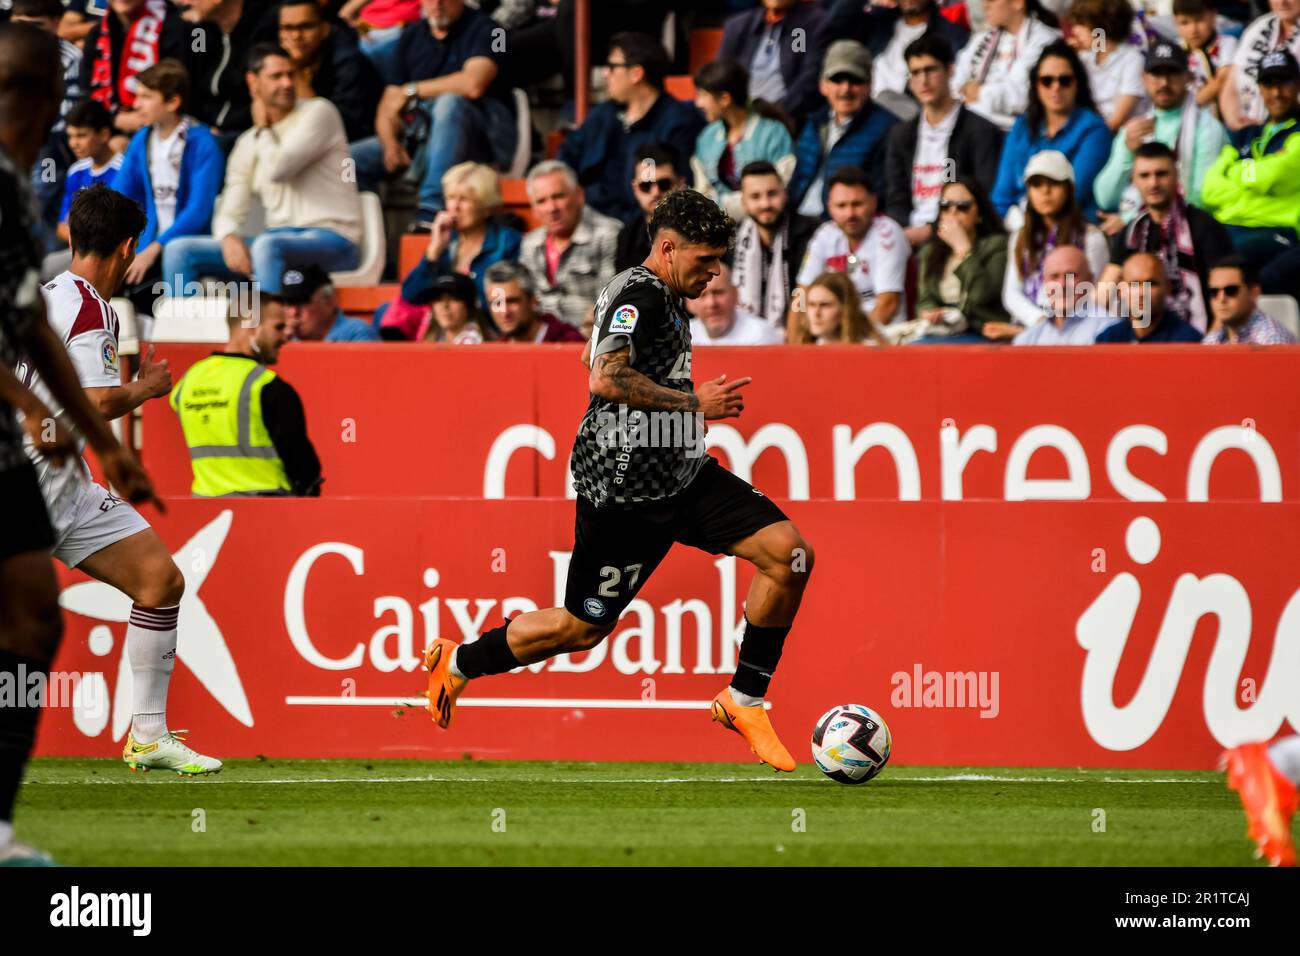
x=199 y=644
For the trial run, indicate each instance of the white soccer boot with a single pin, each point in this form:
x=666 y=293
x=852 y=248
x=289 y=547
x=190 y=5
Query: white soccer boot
x=168 y=752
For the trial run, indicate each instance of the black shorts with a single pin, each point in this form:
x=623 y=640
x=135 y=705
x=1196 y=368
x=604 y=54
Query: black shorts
x=616 y=549
x=22 y=513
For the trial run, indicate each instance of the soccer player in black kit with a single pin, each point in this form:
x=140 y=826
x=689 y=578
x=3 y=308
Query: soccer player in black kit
x=644 y=482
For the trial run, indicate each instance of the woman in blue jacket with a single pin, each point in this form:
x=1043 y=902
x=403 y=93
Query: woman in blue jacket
x=198 y=171
x=1060 y=116
x=739 y=132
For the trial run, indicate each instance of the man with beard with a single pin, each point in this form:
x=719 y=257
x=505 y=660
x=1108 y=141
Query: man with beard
x=770 y=243
x=1185 y=238
x=1176 y=121
x=328 y=63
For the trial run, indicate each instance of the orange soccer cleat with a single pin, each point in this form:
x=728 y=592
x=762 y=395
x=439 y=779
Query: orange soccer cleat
x=444 y=686
x=1268 y=798
x=752 y=724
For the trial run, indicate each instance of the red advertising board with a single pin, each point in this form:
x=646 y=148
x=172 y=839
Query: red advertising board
x=1169 y=423
x=1077 y=557
x=1034 y=633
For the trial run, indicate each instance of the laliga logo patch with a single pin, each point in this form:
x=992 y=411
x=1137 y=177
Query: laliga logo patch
x=624 y=319
x=110 y=357
x=594 y=606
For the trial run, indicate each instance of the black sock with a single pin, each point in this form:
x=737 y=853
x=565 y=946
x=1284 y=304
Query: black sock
x=490 y=654
x=17 y=726
x=760 y=652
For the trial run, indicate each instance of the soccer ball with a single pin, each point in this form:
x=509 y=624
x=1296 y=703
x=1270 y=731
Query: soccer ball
x=850 y=744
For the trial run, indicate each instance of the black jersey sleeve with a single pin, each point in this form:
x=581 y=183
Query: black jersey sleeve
x=628 y=313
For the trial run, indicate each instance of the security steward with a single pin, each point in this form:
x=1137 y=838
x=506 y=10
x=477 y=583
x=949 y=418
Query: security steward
x=245 y=425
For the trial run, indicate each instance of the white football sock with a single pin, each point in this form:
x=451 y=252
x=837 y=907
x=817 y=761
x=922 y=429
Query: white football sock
x=745 y=700
x=6 y=833
x=451 y=665
x=151 y=646
x=1285 y=755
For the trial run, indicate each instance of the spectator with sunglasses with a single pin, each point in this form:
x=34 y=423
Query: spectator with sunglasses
x=602 y=150
x=1060 y=117
x=961 y=268
x=849 y=130
x=1234 y=299
x=945 y=141
x=740 y=132
x=658 y=172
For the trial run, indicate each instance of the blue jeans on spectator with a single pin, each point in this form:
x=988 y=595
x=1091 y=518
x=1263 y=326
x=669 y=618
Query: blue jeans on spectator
x=190 y=258
x=460 y=129
x=380 y=47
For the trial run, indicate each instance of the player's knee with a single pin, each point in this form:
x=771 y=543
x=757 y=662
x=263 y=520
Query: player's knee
x=790 y=558
x=165 y=587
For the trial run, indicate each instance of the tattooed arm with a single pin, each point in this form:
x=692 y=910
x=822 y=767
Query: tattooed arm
x=615 y=381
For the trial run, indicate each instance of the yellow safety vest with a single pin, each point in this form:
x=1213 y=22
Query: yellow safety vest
x=219 y=401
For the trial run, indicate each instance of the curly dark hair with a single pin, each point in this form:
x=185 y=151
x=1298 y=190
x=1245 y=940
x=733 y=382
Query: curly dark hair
x=1035 y=115
x=694 y=216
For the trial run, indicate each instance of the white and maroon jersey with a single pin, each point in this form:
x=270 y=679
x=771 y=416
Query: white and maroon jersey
x=88 y=327
x=878 y=264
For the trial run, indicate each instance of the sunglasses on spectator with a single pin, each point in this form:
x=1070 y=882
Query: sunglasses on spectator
x=617 y=66
x=848 y=78
x=961 y=205
x=1065 y=81
x=650 y=185
x=1231 y=291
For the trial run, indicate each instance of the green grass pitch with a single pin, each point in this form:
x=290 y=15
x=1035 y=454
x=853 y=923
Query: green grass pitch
x=405 y=812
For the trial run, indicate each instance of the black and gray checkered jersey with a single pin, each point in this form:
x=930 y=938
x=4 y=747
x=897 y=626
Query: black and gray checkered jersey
x=624 y=456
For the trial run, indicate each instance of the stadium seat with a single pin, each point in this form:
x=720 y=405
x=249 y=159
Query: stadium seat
x=680 y=87
x=1283 y=309
x=361 y=301
x=524 y=134
x=199 y=318
x=371 y=265
x=705 y=45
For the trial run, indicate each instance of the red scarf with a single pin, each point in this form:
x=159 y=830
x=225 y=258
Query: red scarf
x=139 y=52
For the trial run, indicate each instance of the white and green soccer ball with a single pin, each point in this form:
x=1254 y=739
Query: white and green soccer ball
x=851 y=743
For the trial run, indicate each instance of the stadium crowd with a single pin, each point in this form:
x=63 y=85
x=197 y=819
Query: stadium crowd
x=1021 y=171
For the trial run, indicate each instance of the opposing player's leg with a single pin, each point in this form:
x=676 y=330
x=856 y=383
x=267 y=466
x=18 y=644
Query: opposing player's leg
x=725 y=514
x=30 y=629
x=1267 y=778
x=614 y=552
x=129 y=556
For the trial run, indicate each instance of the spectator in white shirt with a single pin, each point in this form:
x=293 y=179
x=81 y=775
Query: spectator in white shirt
x=293 y=160
x=833 y=315
x=869 y=248
x=1073 y=317
x=1100 y=31
x=718 y=321
x=992 y=74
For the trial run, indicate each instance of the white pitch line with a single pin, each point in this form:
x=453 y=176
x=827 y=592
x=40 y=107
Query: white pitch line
x=634 y=703
x=958 y=778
